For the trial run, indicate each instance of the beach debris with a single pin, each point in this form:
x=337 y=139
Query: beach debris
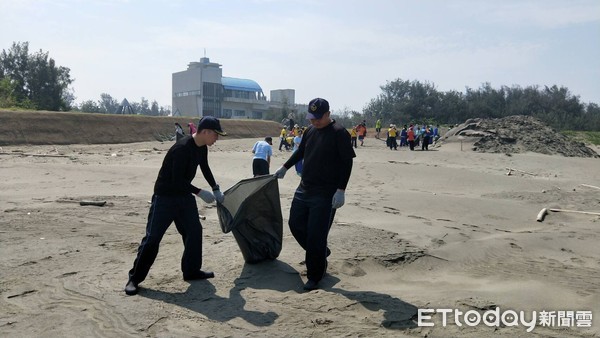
x=542 y=214
x=576 y=211
x=81 y=202
x=94 y=203
x=510 y=170
x=321 y=321
x=33 y=155
x=506 y=136
x=590 y=186
x=22 y=293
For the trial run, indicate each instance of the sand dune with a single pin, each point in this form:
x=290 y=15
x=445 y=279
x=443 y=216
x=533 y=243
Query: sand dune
x=44 y=127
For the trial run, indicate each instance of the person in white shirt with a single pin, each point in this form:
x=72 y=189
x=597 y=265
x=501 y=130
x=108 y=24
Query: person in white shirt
x=262 y=151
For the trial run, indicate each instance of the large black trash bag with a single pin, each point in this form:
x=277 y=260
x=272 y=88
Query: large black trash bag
x=252 y=211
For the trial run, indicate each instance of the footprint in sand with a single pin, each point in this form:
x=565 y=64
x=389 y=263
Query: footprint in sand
x=391 y=210
x=515 y=246
x=438 y=242
x=351 y=269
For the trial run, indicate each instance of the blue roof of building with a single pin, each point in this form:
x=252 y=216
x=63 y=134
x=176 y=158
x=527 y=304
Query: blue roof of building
x=245 y=85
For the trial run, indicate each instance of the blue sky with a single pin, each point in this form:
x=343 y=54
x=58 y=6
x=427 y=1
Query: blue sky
x=342 y=50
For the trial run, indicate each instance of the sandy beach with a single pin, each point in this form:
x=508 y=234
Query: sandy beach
x=442 y=229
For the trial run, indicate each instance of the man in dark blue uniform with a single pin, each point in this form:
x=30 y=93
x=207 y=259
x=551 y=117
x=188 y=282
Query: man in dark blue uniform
x=327 y=153
x=173 y=201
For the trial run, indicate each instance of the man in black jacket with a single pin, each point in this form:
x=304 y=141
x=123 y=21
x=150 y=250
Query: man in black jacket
x=173 y=201
x=327 y=153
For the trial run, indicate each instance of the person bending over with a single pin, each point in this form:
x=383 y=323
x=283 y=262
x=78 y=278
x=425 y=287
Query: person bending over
x=173 y=201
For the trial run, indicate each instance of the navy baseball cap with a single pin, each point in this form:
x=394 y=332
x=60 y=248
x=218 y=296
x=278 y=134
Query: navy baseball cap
x=317 y=108
x=211 y=122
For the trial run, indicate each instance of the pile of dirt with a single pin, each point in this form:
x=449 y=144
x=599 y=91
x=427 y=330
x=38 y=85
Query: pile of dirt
x=517 y=134
x=42 y=127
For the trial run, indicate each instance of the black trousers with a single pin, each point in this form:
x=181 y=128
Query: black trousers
x=260 y=167
x=391 y=142
x=425 y=143
x=165 y=210
x=282 y=143
x=310 y=221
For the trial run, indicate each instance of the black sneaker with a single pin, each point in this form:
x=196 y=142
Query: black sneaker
x=199 y=275
x=131 y=288
x=311 y=285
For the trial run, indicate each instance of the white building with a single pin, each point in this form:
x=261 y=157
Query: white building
x=201 y=90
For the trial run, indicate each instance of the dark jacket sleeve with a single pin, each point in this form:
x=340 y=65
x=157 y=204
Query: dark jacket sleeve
x=346 y=154
x=206 y=172
x=345 y=171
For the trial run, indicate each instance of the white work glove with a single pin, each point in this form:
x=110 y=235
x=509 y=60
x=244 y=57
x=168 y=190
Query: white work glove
x=218 y=195
x=206 y=196
x=280 y=173
x=338 y=199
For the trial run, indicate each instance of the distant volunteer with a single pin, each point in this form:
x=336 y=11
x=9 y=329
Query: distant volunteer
x=261 y=161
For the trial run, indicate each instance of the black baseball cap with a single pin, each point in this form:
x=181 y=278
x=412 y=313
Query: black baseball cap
x=211 y=122
x=317 y=108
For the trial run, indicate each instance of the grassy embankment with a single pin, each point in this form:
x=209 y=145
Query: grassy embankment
x=587 y=137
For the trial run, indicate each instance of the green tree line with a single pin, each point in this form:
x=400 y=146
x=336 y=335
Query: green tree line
x=403 y=101
x=34 y=81
x=109 y=105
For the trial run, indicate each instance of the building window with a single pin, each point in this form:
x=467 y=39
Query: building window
x=239 y=113
x=241 y=94
x=190 y=93
x=211 y=102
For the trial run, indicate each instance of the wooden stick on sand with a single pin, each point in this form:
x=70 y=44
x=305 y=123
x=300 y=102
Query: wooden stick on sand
x=510 y=170
x=35 y=155
x=94 y=203
x=576 y=211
